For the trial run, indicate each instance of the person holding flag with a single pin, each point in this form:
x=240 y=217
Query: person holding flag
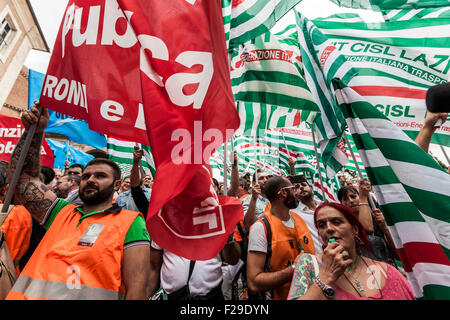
x=67 y=264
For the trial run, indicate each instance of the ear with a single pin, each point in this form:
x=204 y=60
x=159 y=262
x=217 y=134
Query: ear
x=117 y=184
x=355 y=230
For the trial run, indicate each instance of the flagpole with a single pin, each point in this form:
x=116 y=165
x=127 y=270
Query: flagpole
x=318 y=162
x=371 y=203
x=285 y=144
x=256 y=166
x=20 y=163
x=445 y=154
x=353 y=155
x=67 y=151
x=225 y=168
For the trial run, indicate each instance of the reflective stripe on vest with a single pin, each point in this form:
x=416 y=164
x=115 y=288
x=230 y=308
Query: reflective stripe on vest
x=74 y=253
x=55 y=290
x=17 y=228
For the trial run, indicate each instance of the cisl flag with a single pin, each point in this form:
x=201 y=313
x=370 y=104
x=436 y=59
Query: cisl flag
x=11 y=130
x=155 y=72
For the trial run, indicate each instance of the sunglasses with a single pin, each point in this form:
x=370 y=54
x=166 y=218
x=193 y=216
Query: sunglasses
x=290 y=187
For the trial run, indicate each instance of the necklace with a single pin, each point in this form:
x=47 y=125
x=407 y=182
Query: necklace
x=358 y=284
x=355 y=278
x=355 y=265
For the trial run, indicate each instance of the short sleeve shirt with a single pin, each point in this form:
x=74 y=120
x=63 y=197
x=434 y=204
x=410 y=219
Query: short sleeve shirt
x=137 y=233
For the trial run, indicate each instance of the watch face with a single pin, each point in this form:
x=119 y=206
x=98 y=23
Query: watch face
x=329 y=292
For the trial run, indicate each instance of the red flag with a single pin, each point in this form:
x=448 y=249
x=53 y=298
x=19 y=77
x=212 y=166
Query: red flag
x=185 y=77
x=11 y=130
x=93 y=72
x=155 y=72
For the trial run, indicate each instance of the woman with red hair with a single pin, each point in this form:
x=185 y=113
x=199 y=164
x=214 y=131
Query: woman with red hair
x=341 y=272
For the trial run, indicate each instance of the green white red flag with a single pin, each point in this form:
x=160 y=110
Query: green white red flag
x=268 y=70
x=247 y=19
x=322 y=62
x=121 y=152
x=391 y=4
x=397 y=62
x=411 y=14
x=413 y=191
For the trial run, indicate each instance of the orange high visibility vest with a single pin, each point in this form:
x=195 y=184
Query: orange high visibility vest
x=77 y=260
x=286 y=244
x=17 y=229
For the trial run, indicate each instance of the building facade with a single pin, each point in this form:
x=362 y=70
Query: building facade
x=19 y=34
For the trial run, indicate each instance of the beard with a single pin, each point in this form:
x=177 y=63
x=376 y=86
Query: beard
x=291 y=202
x=308 y=197
x=97 y=196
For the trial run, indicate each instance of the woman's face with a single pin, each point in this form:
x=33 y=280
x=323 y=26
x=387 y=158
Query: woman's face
x=331 y=223
x=351 y=201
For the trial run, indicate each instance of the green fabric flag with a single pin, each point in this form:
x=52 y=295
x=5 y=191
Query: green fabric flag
x=412 y=189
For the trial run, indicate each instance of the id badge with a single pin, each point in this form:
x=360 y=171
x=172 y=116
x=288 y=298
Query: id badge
x=91 y=235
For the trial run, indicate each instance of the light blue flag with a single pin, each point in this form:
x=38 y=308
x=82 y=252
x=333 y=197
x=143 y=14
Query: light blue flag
x=74 y=129
x=60 y=152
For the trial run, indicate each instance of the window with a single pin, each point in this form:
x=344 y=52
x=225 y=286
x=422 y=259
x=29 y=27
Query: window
x=5 y=32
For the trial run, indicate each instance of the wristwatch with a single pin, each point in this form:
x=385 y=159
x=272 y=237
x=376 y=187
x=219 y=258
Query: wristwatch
x=328 y=291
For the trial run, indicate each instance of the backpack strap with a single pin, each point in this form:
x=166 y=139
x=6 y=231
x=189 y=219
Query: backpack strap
x=191 y=269
x=266 y=224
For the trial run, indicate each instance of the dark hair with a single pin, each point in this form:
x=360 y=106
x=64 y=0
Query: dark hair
x=77 y=165
x=74 y=177
x=116 y=169
x=254 y=174
x=273 y=185
x=48 y=173
x=343 y=192
x=3 y=173
x=216 y=183
x=351 y=218
x=243 y=182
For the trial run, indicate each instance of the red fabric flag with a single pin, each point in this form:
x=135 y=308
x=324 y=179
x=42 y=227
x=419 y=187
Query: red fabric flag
x=185 y=77
x=155 y=72
x=11 y=130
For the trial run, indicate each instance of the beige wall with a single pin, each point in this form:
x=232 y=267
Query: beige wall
x=13 y=56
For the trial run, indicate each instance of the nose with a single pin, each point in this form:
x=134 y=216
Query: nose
x=329 y=228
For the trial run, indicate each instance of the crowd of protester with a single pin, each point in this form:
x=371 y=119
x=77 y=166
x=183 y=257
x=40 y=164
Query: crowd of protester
x=289 y=244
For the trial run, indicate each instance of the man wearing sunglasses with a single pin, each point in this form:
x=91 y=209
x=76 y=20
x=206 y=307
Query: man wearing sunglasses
x=275 y=241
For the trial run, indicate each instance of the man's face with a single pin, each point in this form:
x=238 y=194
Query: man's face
x=74 y=170
x=63 y=187
x=290 y=201
x=97 y=184
x=262 y=179
x=126 y=185
x=303 y=191
x=148 y=182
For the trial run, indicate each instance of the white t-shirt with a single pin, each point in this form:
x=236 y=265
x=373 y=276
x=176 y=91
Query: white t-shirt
x=308 y=216
x=175 y=272
x=257 y=240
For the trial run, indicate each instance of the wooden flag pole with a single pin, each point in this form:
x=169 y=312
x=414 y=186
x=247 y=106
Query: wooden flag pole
x=318 y=163
x=225 y=168
x=20 y=162
x=256 y=164
x=353 y=155
x=371 y=202
x=285 y=144
x=445 y=154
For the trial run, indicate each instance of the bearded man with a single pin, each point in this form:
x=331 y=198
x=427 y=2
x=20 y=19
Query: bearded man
x=306 y=207
x=93 y=251
x=275 y=242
